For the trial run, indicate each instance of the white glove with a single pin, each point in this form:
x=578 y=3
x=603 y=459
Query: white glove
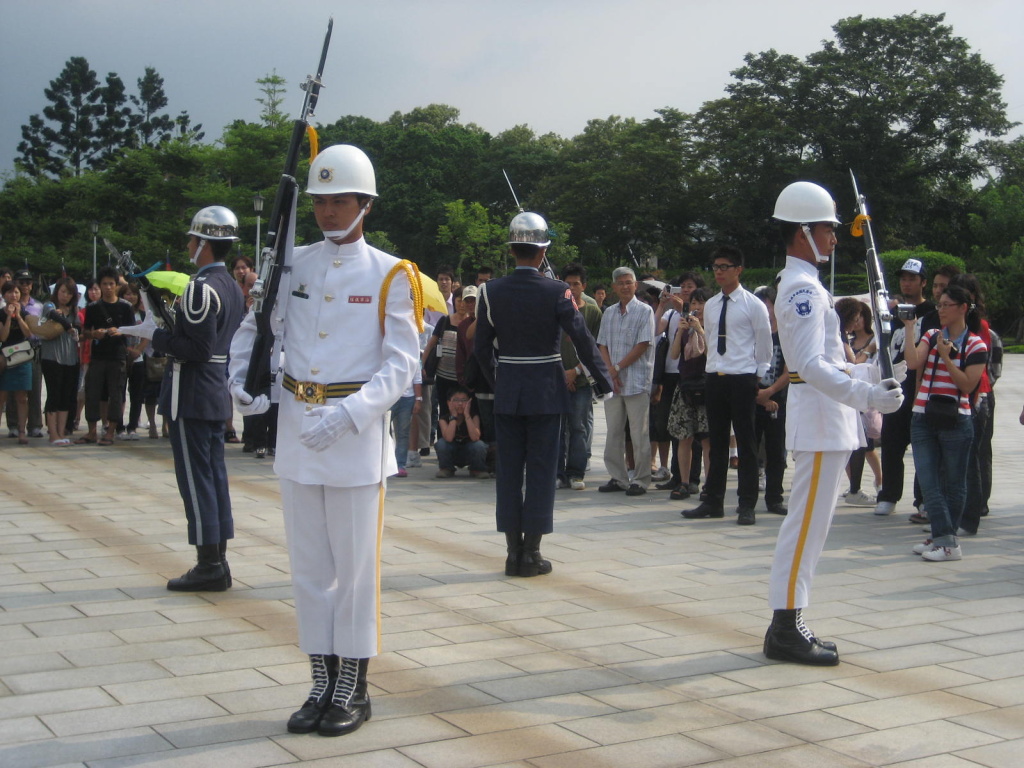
x=143 y=330
x=865 y=372
x=324 y=425
x=246 y=404
x=886 y=396
x=899 y=371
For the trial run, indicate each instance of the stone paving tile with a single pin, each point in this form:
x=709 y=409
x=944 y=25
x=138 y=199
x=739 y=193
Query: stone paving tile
x=491 y=748
x=523 y=714
x=99 y=719
x=1005 y=755
x=251 y=754
x=909 y=742
x=673 y=751
x=635 y=724
x=744 y=738
x=86 y=677
x=1008 y=692
x=906 y=710
x=77 y=750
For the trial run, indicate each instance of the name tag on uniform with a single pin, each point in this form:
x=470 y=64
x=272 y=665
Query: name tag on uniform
x=360 y=299
x=301 y=292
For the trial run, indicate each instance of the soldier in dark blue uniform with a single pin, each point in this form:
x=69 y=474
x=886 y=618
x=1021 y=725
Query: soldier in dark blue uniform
x=523 y=315
x=196 y=398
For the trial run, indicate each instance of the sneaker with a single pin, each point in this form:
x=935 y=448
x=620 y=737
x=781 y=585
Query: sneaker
x=942 y=554
x=12 y=433
x=35 y=433
x=661 y=475
x=860 y=499
x=445 y=473
x=924 y=546
x=401 y=473
x=413 y=460
x=885 y=507
x=131 y=435
x=631 y=475
x=577 y=484
x=123 y=436
x=919 y=518
x=562 y=482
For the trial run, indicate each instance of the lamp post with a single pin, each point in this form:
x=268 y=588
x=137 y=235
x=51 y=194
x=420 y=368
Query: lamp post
x=95 y=227
x=257 y=205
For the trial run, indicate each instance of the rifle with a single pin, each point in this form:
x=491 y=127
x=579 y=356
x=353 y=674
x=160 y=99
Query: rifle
x=545 y=265
x=272 y=262
x=876 y=278
x=152 y=299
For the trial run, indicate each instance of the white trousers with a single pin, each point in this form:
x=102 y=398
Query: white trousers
x=334 y=537
x=812 y=502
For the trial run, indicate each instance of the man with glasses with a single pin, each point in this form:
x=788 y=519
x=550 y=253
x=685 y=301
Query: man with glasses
x=739 y=335
x=458 y=437
x=626 y=341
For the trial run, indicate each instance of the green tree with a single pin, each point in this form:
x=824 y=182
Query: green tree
x=471 y=236
x=114 y=123
x=73 y=107
x=272 y=88
x=152 y=127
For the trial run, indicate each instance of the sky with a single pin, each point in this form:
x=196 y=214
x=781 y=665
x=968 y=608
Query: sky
x=552 y=65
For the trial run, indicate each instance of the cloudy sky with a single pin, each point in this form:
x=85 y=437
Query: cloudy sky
x=552 y=65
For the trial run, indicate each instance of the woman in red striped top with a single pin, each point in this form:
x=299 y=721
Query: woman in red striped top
x=941 y=452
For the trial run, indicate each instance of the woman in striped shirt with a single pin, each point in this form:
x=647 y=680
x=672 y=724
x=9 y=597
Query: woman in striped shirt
x=951 y=361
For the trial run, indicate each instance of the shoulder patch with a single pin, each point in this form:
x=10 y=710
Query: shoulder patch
x=802 y=301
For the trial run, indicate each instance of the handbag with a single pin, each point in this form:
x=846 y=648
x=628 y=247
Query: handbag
x=942 y=411
x=693 y=390
x=19 y=354
x=155 y=367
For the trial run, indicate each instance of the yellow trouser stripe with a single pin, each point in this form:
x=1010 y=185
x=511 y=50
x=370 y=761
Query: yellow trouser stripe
x=805 y=525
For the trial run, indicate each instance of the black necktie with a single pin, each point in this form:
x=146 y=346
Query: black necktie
x=721 y=325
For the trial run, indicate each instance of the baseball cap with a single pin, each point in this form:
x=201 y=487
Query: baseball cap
x=23 y=274
x=913 y=266
x=469 y=292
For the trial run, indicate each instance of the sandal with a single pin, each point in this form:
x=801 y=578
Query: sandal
x=85 y=440
x=231 y=437
x=22 y=439
x=107 y=439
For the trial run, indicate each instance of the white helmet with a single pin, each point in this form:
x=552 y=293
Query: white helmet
x=804 y=202
x=215 y=222
x=529 y=229
x=342 y=169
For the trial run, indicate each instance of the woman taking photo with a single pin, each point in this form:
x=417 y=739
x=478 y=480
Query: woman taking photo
x=950 y=362
x=58 y=355
x=16 y=326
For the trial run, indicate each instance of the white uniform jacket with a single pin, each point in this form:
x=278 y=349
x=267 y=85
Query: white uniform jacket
x=824 y=400
x=327 y=322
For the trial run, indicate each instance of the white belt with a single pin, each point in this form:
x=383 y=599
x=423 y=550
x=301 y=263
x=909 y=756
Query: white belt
x=176 y=380
x=530 y=360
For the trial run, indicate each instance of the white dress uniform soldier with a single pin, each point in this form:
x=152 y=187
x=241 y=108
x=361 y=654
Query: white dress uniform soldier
x=823 y=426
x=346 y=321
x=195 y=397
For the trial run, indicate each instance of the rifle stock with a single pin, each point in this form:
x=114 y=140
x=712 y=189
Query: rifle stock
x=151 y=296
x=272 y=261
x=879 y=294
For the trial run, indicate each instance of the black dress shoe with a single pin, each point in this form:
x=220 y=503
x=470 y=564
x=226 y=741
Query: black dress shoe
x=745 y=516
x=612 y=486
x=706 y=509
x=778 y=508
x=635 y=489
x=788 y=639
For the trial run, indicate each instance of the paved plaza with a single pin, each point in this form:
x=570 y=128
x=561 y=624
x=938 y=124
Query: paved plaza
x=643 y=648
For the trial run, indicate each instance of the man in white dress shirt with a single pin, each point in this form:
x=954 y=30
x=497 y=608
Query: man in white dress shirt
x=823 y=425
x=345 y=316
x=739 y=336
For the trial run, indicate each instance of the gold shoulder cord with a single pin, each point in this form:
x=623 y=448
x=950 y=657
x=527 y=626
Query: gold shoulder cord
x=413 y=273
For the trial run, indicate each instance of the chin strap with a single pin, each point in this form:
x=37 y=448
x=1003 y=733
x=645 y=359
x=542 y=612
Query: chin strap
x=341 y=234
x=199 y=250
x=814 y=247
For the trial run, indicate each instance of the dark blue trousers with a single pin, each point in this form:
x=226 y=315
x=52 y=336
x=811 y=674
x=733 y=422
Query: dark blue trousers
x=198 y=448
x=527 y=448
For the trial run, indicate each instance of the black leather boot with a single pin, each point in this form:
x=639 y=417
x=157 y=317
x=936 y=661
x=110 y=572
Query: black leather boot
x=223 y=549
x=514 y=542
x=325 y=673
x=209 y=574
x=789 y=639
x=350 y=702
x=531 y=563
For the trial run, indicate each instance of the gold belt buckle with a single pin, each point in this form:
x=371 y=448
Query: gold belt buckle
x=310 y=392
